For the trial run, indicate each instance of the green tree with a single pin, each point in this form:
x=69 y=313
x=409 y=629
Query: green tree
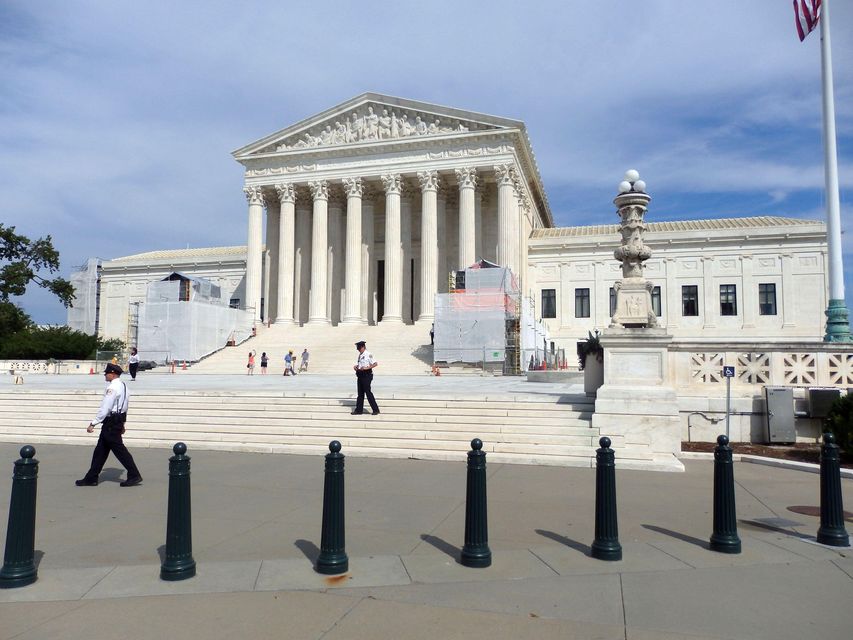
x=22 y=260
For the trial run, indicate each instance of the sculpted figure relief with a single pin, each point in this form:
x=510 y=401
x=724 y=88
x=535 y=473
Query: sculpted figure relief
x=368 y=125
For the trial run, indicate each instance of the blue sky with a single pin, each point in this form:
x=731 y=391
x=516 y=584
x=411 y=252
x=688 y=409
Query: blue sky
x=117 y=119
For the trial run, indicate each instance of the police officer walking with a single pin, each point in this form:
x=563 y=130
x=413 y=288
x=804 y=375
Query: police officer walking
x=364 y=366
x=112 y=416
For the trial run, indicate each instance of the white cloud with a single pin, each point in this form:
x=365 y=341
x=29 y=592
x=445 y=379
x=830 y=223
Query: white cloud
x=117 y=119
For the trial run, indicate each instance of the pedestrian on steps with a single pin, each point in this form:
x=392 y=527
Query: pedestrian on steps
x=264 y=363
x=133 y=363
x=364 y=366
x=288 y=363
x=304 y=365
x=250 y=366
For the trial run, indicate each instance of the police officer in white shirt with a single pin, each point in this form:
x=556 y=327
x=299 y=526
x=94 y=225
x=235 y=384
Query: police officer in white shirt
x=364 y=366
x=112 y=416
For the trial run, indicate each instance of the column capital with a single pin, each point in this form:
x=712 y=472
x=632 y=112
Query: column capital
x=504 y=174
x=353 y=187
x=286 y=192
x=429 y=180
x=392 y=183
x=467 y=177
x=319 y=189
x=254 y=194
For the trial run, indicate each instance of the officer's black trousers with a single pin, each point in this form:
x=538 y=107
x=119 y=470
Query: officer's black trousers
x=364 y=379
x=110 y=440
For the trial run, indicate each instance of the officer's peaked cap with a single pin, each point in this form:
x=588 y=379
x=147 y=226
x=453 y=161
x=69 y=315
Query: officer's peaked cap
x=113 y=368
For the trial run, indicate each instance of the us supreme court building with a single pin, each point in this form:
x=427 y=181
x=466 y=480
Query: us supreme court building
x=358 y=215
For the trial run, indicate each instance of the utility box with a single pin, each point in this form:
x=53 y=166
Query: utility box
x=780 y=414
x=821 y=400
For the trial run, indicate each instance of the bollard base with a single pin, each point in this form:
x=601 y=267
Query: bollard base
x=173 y=573
x=833 y=538
x=725 y=544
x=604 y=551
x=479 y=559
x=19 y=577
x=332 y=565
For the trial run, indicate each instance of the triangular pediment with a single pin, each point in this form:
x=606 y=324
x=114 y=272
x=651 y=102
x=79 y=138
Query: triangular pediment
x=375 y=119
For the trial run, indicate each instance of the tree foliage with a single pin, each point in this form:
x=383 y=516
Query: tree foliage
x=57 y=343
x=21 y=260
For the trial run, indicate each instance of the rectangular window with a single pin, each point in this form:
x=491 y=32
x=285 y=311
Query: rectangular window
x=549 y=303
x=690 y=300
x=656 y=301
x=767 y=299
x=234 y=303
x=728 y=300
x=612 y=301
x=581 y=303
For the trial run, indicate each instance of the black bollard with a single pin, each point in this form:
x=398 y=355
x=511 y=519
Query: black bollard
x=725 y=538
x=476 y=552
x=606 y=544
x=19 y=567
x=831 y=531
x=333 y=555
x=179 y=563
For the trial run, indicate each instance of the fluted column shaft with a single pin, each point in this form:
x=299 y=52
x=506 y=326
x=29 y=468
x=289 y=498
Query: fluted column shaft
x=317 y=311
x=255 y=198
x=368 y=262
x=393 y=312
x=507 y=210
x=335 y=252
x=286 y=253
x=406 y=251
x=429 y=243
x=353 y=276
x=467 y=179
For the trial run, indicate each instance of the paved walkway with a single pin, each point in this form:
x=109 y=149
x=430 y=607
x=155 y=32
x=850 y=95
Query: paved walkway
x=256 y=525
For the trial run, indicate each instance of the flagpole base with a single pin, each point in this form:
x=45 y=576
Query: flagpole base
x=837 y=322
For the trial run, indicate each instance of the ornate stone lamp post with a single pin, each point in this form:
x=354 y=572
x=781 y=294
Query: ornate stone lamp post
x=633 y=291
x=637 y=407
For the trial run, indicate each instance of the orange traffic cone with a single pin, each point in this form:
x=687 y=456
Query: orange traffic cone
x=91 y=371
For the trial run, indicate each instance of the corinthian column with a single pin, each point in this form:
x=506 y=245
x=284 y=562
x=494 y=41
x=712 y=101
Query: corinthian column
x=286 y=252
x=352 y=300
x=429 y=243
x=467 y=178
x=507 y=211
x=255 y=198
x=317 y=312
x=406 y=194
x=393 y=313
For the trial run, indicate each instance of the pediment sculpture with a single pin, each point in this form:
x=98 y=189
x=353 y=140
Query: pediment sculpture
x=368 y=123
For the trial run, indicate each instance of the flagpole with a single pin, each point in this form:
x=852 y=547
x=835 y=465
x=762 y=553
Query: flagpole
x=837 y=322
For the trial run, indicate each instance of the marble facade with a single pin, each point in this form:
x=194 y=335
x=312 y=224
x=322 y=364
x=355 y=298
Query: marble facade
x=371 y=204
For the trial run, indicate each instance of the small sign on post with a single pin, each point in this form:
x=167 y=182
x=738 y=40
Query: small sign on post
x=728 y=374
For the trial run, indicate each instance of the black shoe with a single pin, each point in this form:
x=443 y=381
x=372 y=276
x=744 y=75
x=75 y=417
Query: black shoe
x=131 y=482
x=375 y=413
x=356 y=413
x=83 y=482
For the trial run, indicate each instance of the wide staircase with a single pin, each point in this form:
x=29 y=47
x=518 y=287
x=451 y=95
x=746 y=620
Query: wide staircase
x=399 y=349
x=551 y=430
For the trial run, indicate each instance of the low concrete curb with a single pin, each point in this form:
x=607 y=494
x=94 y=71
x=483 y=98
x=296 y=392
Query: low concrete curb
x=769 y=462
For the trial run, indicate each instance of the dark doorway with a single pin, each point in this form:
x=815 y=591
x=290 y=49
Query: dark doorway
x=380 y=290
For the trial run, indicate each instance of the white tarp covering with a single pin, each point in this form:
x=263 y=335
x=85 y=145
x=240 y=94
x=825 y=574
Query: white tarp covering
x=83 y=312
x=471 y=325
x=186 y=320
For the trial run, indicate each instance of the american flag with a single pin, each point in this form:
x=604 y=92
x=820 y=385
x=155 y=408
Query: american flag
x=806 y=16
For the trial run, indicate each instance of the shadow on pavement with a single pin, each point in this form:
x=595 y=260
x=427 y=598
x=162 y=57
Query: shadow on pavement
x=311 y=551
x=111 y=475
x=572 y=544
x=679 y=536
x=442 y=545
x=775 y=529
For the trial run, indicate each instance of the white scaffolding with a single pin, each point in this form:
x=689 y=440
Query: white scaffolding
x=185 y=318
x=83 y=312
